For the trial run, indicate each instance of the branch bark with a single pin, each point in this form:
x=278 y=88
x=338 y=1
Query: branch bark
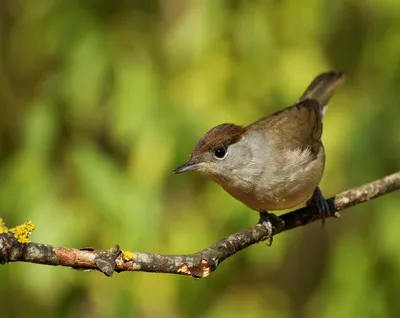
x=198 y=265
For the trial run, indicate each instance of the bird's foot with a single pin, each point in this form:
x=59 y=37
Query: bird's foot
x=321 y=204
x=271 y=221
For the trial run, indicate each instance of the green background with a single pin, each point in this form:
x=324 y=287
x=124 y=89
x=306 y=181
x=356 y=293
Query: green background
x=101 y=100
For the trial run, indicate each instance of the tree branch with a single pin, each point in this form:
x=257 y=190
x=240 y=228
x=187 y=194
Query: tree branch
x=197 y=265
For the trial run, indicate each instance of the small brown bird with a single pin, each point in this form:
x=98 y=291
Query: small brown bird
x=275 y=163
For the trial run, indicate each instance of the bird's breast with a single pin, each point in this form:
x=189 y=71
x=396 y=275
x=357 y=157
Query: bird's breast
x=287 y=180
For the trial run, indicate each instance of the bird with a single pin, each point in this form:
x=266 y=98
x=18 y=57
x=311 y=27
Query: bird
x=275 y=163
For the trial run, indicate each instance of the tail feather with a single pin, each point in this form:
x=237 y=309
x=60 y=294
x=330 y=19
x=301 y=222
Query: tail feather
x=322 y=88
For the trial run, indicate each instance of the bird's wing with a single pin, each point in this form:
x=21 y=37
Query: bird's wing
x=295 y=127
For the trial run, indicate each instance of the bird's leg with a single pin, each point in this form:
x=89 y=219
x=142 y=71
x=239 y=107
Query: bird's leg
x=321 y=204
x=270 y=220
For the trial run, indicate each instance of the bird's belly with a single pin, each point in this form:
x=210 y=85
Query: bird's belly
x=283 y=196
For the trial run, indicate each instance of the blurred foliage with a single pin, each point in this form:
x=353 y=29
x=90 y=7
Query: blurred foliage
x=101 y=100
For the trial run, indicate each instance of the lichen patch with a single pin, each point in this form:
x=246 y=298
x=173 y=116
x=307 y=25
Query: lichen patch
x=3 y=227
x=22 y=232
x=128 y=256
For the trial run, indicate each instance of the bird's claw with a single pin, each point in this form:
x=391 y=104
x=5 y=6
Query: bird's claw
x=267 y=219
x=321 y=204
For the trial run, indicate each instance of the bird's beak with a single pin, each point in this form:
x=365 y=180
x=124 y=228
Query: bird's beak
x=188 y=166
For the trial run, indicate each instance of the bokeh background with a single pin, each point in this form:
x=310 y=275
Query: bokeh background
x=101 y=100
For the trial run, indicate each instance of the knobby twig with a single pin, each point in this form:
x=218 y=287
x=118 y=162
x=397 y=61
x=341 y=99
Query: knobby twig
x=197 y=265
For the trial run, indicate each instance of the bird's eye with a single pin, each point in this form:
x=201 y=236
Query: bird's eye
x=220 y=152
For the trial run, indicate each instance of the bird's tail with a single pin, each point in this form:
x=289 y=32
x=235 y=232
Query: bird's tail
x=322 y=88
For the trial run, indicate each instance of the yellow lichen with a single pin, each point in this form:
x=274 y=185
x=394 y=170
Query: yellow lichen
x=22 y=232
x=3 y=227
x=128 y=256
